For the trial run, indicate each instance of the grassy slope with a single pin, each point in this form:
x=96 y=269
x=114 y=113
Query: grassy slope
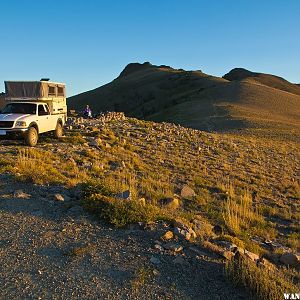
x=237 y=105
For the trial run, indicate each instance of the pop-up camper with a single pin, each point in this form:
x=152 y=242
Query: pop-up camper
x=53 y=93
x=33 y=107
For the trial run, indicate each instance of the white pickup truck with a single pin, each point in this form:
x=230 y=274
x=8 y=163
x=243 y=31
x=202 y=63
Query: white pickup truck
x=33 y=108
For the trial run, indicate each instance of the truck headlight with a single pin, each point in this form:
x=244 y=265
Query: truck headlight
x=21 y=124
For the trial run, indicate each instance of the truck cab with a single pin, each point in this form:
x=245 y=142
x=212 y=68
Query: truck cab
x=41 y=110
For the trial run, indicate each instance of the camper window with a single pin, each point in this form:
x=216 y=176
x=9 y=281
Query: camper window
x=51 y=90
x=60 y=91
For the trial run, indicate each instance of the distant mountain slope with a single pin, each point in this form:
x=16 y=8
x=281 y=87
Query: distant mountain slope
x=265 y=79
x=241 y=99
x=144 y=89
x=234 y=106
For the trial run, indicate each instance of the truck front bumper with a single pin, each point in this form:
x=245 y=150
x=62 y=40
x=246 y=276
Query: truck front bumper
x=12 y=131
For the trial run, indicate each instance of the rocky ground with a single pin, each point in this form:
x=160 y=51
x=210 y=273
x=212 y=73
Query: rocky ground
x=51 y=248
x=51 y=251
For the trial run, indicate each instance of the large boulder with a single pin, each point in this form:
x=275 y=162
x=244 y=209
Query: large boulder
x=187 y=192
x=252 y=256
x=126 y=195
x=167 y=236
x=290 y=259
x=264 y=263
x=173 y=247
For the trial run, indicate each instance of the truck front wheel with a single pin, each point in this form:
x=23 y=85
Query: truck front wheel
x=31 y=137
x=58 y=132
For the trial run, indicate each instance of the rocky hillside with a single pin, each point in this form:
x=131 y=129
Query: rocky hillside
x=240 y=100
x=188 y=205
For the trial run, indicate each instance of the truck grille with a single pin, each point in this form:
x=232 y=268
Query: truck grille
x=6 y=124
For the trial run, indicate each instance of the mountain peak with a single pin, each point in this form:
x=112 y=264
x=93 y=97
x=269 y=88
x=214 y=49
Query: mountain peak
x=239 y=74
x=134 y=67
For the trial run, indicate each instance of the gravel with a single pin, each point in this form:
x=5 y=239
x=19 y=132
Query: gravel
x=49 y=250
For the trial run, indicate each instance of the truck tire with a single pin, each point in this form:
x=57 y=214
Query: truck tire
x=31 y=137
x=58 y=132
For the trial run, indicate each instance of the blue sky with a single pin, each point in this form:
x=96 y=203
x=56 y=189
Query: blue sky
x=87 y=43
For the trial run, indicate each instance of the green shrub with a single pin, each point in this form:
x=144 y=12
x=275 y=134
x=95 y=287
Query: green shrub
x=95 y=187
x=120 y=212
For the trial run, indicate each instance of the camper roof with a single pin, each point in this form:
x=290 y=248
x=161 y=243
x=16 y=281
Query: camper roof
x=34 y=89
x=36 y=81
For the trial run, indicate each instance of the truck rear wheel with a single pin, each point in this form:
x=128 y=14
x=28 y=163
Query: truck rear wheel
x=58 y=132
x=31 y=137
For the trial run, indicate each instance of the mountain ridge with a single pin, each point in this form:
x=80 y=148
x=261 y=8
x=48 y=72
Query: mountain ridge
x=238 y=100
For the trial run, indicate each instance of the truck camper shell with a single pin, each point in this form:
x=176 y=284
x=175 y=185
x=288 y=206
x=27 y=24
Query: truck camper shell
x=52 y=93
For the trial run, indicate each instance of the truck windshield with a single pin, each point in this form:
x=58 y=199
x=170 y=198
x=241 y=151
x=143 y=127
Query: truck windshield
x=19 y=108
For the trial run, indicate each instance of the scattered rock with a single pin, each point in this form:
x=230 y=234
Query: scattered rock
x=186 y=232
x=142 y=201
x=72 y=161
x=167 y=236
x=94 y=129
x=115 y=165
x=173 y=247
x=151 y=225
x=217 y=229
x=96 y=142
x=290 y=259
x=187 y=192
x=264 y=263
x=59 y=197
x=155 y=260
x=254 y=257
x=126 y=195
x=179 y=260
x=21 y=194
x=158 y=247
x=274 y=245
x=229 y=246
x=111 y=116
x=227 y=254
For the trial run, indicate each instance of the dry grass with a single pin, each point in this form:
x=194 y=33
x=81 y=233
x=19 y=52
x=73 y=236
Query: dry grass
x=43 y=167
x=264 y=284
x=240 y=213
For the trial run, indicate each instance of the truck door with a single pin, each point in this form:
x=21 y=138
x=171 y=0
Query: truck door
x=52 y=121
x=44 y=121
